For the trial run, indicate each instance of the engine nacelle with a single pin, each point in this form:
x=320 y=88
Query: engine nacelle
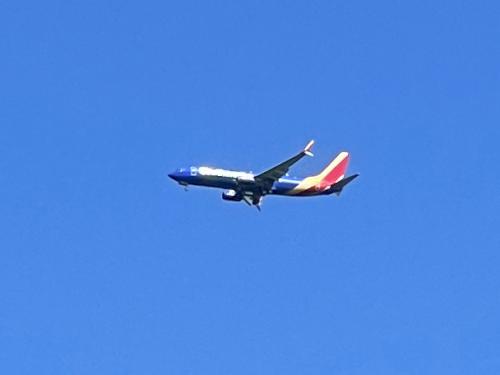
x=232 y=195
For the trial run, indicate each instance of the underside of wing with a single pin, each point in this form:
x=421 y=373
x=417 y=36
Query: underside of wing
x=266 y=179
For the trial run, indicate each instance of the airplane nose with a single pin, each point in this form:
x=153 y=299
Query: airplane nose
x=173 y=176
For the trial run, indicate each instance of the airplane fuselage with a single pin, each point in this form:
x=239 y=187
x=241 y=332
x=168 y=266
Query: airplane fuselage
x=235 y=180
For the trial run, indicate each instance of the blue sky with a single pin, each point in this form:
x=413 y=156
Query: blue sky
x=106 y=266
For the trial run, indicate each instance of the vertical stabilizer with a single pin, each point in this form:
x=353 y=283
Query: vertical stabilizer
x=335 y=171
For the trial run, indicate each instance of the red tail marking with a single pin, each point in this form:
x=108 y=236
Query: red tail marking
x=336 y=173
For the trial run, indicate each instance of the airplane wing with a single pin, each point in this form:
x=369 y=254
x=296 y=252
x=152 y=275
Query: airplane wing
x=267 y=178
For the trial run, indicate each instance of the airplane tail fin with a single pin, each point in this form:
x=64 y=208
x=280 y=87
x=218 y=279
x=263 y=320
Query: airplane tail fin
x=329 y=180
x=335 y=171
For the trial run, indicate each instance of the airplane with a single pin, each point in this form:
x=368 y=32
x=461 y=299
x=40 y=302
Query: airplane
x=251 y=188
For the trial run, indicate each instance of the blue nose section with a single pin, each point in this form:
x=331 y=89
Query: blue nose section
x=182 y=175
x=174 y=176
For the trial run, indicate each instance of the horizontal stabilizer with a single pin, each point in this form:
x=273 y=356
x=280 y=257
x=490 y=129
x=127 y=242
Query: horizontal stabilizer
x=338 y=186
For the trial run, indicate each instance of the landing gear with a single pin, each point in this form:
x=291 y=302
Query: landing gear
x=257 y=201
x=253 y=200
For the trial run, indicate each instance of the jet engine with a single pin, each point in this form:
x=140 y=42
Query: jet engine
x=232 y=195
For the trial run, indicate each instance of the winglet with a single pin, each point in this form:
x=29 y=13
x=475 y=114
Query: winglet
x=307 y=149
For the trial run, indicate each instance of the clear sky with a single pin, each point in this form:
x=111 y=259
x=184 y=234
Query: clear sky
x=109 y=267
